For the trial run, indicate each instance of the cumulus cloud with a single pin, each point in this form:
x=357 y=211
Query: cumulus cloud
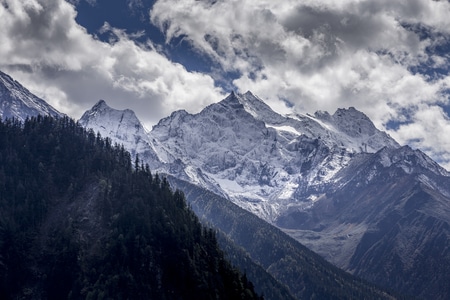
x=425 y=131
x=321 y=55
x=45 y=49
x=313 y=55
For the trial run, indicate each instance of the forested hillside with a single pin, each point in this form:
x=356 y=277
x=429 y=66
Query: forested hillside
x=79 y=220
x=303 y=272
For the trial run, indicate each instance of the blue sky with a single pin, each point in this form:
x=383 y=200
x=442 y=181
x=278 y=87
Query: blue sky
x=134 y=17
x=387 y=58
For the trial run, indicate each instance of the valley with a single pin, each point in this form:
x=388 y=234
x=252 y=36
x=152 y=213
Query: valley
x=333 y=182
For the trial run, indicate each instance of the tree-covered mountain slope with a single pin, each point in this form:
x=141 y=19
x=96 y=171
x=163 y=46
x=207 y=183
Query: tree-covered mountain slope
x=306 y=274
x=18 y=102
x=328 y=180
x=334 y=182
x=79 y=220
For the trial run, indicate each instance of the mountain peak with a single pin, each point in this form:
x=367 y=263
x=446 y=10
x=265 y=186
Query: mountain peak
x=359 y=128
x=354 y=122
x=101 y=110
x=18 y=102
x=232 y=101
x=123 y=127
x=259 y=109
x=349 y=113
x=100 y=104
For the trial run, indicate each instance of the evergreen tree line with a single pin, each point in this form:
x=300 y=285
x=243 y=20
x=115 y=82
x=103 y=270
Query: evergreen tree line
x=79 y=220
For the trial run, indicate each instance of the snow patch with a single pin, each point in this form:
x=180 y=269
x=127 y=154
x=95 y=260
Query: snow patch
x=285 y=128
x=288 y=190
x=229 y=185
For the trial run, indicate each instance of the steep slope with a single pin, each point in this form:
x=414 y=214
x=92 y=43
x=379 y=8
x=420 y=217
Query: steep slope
x=307 y=275
x=334 y=182
x=328 y=180
x=122 y=127
x=264 y=162
x=264 y=283
x=19 y=103
x=388 y=222
x=78 y=222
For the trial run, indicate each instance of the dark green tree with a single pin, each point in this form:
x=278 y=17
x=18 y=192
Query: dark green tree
x=77 y=221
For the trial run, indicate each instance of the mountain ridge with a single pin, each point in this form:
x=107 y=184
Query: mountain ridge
x=286 y=260
x=122 y=127
x=78 y=212
x=77 y=221
x=298 y=171
x=229 y=143
x=18 y=102
x=333 y=182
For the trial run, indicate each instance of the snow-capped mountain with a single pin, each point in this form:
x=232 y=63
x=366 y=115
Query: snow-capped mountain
x=261 y=160
x=19 y=103
x=334 y=182
x=122 y=127
x=242 y=150
x=388 y=222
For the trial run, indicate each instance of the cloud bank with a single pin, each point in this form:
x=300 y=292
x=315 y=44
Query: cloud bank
x=321 y=55
x=44 y=48
x=388 y=59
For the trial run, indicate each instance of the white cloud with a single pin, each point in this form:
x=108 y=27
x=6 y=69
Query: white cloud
x=53 y=56
x=315 y=54
x=325 y=54
x=426 y=131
